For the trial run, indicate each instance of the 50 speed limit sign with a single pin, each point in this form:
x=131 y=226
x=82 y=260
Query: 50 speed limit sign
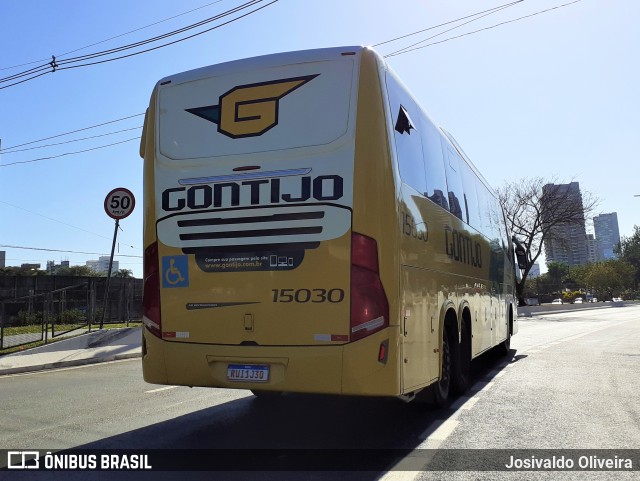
x=119 y=203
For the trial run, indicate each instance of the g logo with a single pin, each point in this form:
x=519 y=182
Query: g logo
x=250 y=110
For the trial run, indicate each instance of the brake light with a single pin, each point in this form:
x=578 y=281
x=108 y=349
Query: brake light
x=369 y=306
x=151 y=316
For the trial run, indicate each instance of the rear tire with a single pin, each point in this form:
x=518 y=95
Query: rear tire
x=504 y=348
x=461 y=360
x=441 y=389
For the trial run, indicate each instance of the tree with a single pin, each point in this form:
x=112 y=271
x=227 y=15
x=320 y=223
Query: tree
x=123 y=273
x=76 y=271
x=609 y=278
x=534 y=213
x=556 y=273
x=21 y=271
x=629 y=251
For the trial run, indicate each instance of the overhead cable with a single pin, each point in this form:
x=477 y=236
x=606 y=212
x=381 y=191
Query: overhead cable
x=85 y=60
x=444 y=24
x=71 y=132
x=65 y=251
x=69 y=153
x=486 y=28
x=478 y=16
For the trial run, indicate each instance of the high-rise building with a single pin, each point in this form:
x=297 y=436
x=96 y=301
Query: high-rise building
x=534 y=271
x=607 y=235
x=567 y=241
x=53 y=268
x=102 y=265
x=592 y=248
x=2 y=258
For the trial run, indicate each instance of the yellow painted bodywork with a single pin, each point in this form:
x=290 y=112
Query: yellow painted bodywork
x=420 y=281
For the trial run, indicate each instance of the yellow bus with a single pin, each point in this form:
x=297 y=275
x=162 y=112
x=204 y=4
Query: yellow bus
x=308 y=228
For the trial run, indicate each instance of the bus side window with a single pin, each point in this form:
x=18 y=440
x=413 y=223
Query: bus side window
x=485 y=211
x=404 y=113
x=469 y=182
x=434 y=163
x=454 y=183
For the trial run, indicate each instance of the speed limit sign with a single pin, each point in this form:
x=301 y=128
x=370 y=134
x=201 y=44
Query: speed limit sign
x=119 y=203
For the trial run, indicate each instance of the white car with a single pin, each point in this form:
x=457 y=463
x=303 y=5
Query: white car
x=577 y=300
x=557 y=301
x=616 y=299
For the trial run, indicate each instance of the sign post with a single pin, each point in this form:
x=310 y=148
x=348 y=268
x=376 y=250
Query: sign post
x=118 y=204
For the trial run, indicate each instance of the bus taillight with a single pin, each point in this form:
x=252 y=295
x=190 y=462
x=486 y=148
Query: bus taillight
x=369 y=306
x=151 y=291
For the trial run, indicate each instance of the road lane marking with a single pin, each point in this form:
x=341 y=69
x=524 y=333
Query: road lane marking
x=166 y=388
x=470 y=403
x=482 y=386
x=465 y=403
x=441 y=432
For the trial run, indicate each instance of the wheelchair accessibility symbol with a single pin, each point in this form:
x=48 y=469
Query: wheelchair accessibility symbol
x=175 y=271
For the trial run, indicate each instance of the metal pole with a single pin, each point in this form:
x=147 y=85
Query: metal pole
x=106 y=291
x=1 y=325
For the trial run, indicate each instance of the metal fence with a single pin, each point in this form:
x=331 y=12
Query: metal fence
x=44 y=314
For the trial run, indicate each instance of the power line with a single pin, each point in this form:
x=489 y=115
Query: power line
x=60 y=222
x=71 y=132
x=65 y=251
x=173 y=42
x=163 y=36
x=443 y=24
x=54 y=220
x=69 y=153
x=53 y=65
x=69 y=141
x=115 y=36
x=478 y=16
x=76 y=62
x=486 y=28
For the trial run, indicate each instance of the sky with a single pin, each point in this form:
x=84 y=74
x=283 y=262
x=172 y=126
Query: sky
x=555 y=95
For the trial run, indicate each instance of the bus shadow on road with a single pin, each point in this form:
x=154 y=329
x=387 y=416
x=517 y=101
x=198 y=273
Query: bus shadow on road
x=375 y=432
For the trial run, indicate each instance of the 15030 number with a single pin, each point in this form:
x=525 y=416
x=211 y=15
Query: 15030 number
x=308 y=295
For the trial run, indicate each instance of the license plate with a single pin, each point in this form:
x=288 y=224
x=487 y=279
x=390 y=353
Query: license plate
x=248 y=372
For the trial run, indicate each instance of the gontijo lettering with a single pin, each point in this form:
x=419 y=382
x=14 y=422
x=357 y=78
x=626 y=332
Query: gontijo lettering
x=462 y=248
x=321 y=188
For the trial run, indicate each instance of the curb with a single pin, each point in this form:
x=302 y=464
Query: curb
x=528 y=312
x=71 y=363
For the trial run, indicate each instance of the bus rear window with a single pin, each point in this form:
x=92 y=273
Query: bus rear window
x=287 y=107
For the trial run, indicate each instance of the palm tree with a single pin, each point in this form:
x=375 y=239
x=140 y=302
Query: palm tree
x=123 y=273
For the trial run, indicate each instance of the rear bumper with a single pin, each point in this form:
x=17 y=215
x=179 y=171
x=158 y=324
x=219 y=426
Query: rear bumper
x=351 y=369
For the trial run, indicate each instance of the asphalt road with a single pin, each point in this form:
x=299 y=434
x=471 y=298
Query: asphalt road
x=571 y=382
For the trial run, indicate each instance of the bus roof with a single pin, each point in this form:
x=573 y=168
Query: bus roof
x=261 y=62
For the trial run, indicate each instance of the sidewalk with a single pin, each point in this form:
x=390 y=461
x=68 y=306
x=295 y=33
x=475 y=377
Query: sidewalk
x=97 y=346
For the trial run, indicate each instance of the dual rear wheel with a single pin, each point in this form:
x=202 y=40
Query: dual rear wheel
x=456 y=365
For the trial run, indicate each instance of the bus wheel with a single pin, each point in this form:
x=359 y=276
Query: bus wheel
x=461 y=357
x=440 y=390
x=505 y=346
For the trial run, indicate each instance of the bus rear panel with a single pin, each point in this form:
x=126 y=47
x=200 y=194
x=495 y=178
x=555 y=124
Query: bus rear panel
x=255 y=275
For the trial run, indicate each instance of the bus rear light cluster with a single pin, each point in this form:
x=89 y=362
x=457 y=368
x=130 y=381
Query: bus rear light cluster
x=369 y=305
x=151 y=317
